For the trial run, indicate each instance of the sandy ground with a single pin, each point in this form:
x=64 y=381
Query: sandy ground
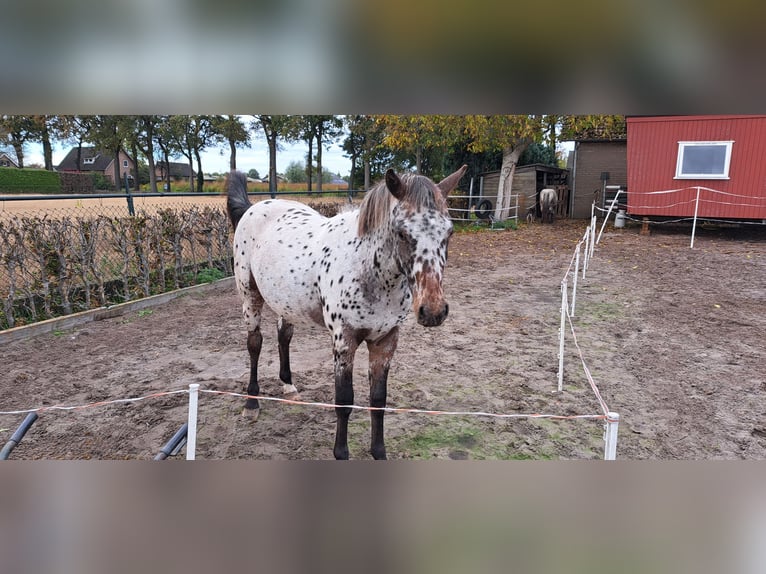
x=673 y=338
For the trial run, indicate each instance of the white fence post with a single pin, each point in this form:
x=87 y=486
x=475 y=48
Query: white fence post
x=592 y=235
x=587 y=252
x=576 y=273
x=564 y=306
x=610 y=436
x=608 y=213
x=191 y=437
x=696 y=210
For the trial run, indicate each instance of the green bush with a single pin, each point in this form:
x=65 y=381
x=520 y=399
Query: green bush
x=32 y=181
x=102 y=182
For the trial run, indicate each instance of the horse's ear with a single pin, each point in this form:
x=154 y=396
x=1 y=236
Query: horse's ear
x=394 y=184
x=450 y=182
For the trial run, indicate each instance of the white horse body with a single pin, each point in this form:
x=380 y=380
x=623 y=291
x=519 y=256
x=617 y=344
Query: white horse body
x=292 y=248
x=548 y=201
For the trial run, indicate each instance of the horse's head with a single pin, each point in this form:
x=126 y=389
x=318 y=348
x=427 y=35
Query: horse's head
x=422 y=228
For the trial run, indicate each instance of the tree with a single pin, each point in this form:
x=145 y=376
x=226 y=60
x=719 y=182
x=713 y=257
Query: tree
x=145 y=138
x=296 y=172
x=273 y=127
x=363 y=144
x=605 y=127
x=190 y=135
x=303 y=128
x=253 y=174
x=73 y=130
x=232 y=130
x=328 y=130
x=163 y=137
x=18 y=130
x=419 y=134
x=109 y=134
x=509 y=134
x=42 y=131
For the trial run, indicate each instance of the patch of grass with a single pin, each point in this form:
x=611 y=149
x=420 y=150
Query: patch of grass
x=144 y=313
x=506 y=224
x=208 y=275
x=600 y=312
x=452 y=436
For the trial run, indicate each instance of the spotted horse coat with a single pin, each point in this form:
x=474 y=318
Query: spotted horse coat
x=358 y=274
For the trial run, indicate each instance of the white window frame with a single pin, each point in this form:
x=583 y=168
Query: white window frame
x=124 y=163
x=88 y=160
x=687 y=144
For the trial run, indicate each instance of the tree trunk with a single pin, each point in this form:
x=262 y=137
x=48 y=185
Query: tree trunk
x=136 y=184
x=505 y=185
x=310 y=164
x=232 y=154
x=191 y=172
x=319 y=161
x=47 y=149
x=152 y=167
x=200 y=175
x=117 y=182
x=366 y=174
x=418 y=159
x=18 y=147
x=272 y=141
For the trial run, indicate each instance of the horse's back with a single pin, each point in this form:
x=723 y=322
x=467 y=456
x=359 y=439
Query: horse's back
x=279 y=244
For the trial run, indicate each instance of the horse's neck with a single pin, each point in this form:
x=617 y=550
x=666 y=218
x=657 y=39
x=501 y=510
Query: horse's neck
x=380 y=256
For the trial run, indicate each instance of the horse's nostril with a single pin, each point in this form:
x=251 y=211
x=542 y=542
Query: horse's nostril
x=422 y=311
x=446 y=309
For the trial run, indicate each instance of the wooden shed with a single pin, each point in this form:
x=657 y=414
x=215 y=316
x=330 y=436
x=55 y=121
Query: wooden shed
x=714 y=166
x=596 y=164
x=528 y=180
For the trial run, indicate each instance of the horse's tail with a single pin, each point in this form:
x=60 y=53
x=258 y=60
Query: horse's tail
x=237 y=202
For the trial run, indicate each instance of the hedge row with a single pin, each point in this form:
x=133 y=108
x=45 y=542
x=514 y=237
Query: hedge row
x=40 y=181
x=56 y=266
x=30 y=181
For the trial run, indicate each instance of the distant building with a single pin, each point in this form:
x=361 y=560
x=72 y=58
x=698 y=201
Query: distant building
x=179 y=171
x=7 y=161
x=93 y=160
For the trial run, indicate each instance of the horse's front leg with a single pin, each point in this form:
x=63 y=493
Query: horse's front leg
x=344 y=393
x=381 y=353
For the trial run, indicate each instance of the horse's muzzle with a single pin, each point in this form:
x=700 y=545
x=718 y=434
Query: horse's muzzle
x=432 y=318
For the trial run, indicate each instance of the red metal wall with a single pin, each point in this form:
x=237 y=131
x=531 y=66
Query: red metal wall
x=652 y=155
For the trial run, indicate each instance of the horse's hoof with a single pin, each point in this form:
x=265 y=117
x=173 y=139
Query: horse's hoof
x=290 y=393
x=251 y=414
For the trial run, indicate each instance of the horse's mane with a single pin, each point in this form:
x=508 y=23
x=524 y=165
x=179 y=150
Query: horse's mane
x=375 y=211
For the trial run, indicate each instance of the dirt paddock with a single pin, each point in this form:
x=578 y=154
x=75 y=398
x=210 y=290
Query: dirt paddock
x=672 y=336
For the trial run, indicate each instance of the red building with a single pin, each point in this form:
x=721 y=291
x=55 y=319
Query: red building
x=715 y=165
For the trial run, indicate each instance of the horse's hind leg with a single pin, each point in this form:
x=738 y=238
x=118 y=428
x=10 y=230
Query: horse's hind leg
x=381 y=352
x=284 y=336
x=252 y=303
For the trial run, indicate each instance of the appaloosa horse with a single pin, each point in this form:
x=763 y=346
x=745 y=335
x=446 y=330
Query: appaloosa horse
x=358 y=274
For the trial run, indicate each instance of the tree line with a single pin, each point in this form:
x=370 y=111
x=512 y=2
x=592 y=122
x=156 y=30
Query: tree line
x=431 y=144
